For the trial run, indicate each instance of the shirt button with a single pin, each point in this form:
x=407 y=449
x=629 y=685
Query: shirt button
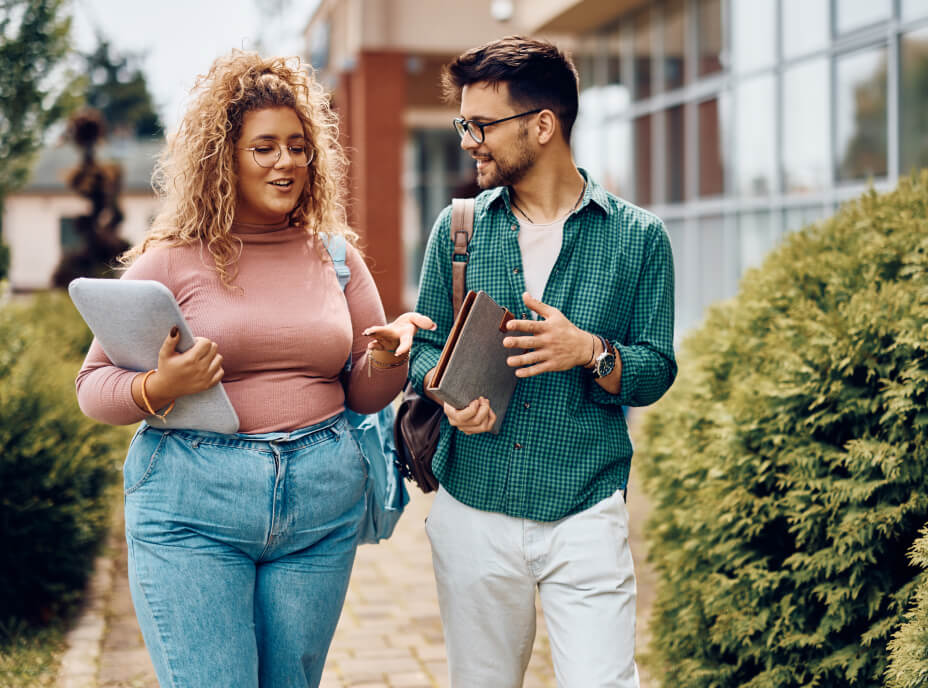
x=513 y=227
x=515 y=271
x=527 y=405
x=517 y=445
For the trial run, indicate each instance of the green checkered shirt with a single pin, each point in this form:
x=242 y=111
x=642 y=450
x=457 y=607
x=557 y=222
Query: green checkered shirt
x=564 y=444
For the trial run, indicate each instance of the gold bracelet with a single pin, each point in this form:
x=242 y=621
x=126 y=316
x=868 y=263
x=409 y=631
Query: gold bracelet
x=148 y=407
x=371 y=361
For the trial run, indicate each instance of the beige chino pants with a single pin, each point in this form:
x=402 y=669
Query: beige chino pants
x=488 y=567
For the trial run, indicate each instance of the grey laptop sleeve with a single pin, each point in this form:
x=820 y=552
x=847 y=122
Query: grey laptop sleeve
x=130 y=319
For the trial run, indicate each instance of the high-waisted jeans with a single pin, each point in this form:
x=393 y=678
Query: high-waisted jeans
x=240 y=550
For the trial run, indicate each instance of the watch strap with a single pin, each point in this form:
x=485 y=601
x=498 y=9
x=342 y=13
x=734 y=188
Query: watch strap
x=607 y=349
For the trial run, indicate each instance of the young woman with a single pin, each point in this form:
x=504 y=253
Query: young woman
x=241 y=545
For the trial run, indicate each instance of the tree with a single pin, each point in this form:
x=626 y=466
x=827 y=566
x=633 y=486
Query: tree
x=36 y=87
x=118 y=89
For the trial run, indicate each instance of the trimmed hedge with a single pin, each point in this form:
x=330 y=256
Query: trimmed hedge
x=56 y=465
x=908 y=666
x=787 y=465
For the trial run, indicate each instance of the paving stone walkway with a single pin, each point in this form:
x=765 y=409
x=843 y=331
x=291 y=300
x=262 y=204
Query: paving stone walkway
x=389 y=634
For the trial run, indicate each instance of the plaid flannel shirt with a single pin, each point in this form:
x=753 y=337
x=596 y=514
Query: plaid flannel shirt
x=564 y=443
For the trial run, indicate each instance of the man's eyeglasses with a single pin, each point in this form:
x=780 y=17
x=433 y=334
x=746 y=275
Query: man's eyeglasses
x=475 y=129
x=267 y=153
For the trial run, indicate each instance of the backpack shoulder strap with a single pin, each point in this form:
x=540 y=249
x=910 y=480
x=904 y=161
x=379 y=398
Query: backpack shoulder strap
x=337 y=247
x=462 y=229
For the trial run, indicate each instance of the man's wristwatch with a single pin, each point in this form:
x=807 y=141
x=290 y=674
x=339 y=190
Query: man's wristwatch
x=605 y=362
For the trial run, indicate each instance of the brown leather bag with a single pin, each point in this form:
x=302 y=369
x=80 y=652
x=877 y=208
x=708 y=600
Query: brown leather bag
x=418 y=419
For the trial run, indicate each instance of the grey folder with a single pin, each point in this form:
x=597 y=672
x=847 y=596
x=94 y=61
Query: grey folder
x=473 y=361
x=130 y=319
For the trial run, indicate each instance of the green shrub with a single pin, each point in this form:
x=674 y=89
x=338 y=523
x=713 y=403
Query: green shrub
x=30 y=657
x=55 y=464
x=4 y=260
x=787 y=465
x=908 y=650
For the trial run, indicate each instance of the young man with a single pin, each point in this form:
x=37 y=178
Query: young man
x=540 y=505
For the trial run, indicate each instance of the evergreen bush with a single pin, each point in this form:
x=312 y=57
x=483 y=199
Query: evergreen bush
x=55 y=464
x=787 y=465
x=908 y=650
x=4 y=260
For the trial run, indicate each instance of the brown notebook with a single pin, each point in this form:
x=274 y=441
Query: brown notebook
x=473 y=362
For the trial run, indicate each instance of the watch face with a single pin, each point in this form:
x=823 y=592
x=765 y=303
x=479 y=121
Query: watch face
x=605 y=364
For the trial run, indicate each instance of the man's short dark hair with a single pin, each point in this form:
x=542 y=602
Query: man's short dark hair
x=537 y=73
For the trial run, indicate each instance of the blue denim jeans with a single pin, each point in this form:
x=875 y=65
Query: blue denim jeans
x=240 y=550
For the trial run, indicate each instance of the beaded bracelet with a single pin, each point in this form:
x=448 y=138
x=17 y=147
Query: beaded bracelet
x=148 y=403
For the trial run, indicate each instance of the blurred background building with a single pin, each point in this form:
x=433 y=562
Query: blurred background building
x=736 y=121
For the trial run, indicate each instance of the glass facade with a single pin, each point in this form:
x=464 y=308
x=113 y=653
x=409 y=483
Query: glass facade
x=738 y=121
x=437 y=170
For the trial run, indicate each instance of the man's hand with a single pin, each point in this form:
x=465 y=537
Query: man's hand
x=552 y=343
x=474 y=418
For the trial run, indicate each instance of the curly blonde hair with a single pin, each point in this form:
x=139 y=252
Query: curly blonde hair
x=196 y=175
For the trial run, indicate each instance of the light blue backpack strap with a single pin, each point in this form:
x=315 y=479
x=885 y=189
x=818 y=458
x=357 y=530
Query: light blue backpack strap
x=386 y=493
x=337 y=246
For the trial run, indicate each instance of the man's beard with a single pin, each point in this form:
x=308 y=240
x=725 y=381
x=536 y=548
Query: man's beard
x=507 y=174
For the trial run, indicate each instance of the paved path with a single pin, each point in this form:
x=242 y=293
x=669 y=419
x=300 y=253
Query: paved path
x=389 y=634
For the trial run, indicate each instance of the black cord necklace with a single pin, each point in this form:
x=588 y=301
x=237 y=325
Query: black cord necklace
x=515 y=205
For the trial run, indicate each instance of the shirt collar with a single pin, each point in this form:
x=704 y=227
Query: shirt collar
x=594 y=193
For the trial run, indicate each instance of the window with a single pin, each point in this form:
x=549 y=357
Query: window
x=858 y=14
x=617 y=176
x=799 y=217
x=913 y=99
x=439 y=170
x=674 y=44
x=587 y=134
x=643 y=45
x=675 y=161
x=752 y=34
x=714 y=262
x=68 y=236
x=709 y=41
x=805 y=26
x=806 y=128
x=687 y=308
x=711 y=165
x=319 y=44
x=911 y=9
x=861 y=115
x=755 y=137
x=642 y=144
x=756 y=238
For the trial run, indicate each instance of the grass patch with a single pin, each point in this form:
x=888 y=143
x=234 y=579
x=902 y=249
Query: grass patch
x=29 y=656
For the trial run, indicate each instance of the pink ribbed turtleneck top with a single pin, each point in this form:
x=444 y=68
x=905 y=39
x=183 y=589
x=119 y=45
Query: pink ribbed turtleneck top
x=284 y=332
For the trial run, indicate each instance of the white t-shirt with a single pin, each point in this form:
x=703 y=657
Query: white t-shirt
x=540 y=246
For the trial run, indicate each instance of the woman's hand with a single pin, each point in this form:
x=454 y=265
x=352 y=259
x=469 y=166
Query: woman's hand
x=396 y=337
x=179 y=374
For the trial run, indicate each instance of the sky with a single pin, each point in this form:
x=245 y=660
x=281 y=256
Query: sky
x=180 y=38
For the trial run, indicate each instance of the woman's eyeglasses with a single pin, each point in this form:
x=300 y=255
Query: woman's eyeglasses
x=267 y=153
